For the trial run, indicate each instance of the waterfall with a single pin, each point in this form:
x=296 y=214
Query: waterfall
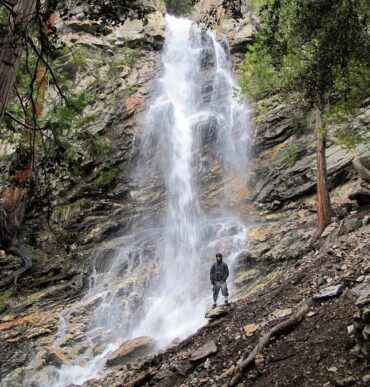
x=195 y=113
x=154 y=280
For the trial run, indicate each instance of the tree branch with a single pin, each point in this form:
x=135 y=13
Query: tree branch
x=7 y=6
x=49 y=68
x=18 y=121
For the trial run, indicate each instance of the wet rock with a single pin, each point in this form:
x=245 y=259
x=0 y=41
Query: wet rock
x=99 y=349
x=131 y=350
x=204 y=351
x=56 y=357
x=329 y=292
x=156 y=26
x=216 y=313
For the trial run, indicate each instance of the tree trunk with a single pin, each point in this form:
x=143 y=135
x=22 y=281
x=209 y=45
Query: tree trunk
x=11 y=46
x=324 y=209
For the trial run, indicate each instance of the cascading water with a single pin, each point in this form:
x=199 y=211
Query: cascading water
x=154 y=280
x=195 y=107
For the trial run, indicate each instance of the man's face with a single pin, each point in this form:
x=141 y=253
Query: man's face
x=219 y=259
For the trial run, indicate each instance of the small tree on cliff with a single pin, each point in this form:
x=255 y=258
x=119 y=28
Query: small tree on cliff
x=307 y=49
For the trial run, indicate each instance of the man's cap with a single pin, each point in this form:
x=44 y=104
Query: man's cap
x=218 y=255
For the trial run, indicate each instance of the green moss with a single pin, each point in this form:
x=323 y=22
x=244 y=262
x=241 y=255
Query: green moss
x=4 y=297
x=36 y=254
x=63 y=207
x=291 y=155
x=108 y=177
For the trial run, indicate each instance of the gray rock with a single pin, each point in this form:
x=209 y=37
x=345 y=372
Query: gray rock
x=216 y=313
x=364 y=298
x=204 y=351
x=360 y=289
x=362 y=165
x=366 y=220
x=329 y=229
x=361 y=195
x=321 y=281
x=131 y=350
x=329 y=292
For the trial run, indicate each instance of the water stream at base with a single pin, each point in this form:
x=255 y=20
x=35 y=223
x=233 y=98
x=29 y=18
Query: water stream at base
x=153 y=281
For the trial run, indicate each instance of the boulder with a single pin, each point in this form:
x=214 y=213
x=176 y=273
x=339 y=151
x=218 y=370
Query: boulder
x=364 y=298
x=156 y=26
x=131 y=350
x=216 y=313
x=362 y=165
x=329 y=292
x=55 y=357
x=204 y=351
x=361 y=194
x=360 y=289
x=131 y=32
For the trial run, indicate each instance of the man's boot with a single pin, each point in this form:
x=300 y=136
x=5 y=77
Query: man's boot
x=214 y=305
x=226 y=301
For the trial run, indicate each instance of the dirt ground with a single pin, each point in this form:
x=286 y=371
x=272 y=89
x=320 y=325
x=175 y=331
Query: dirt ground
x=315 y=353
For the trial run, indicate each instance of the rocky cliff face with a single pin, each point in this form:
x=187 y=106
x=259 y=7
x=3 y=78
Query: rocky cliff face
x=92 y=209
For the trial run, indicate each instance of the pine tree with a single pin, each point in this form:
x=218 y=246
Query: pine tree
x=308 y=50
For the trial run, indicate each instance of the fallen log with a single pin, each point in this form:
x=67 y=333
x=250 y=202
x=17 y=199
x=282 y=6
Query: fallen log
x=264 y=340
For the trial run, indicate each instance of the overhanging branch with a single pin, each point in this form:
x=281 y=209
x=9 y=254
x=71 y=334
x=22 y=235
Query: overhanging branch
x=8 y=6
x=18 y=121
x=35 y=49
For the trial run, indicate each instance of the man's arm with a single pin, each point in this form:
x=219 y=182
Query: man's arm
x=212 y=274
x=226 y=271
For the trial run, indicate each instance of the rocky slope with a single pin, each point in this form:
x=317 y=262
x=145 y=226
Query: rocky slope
x=93 y=209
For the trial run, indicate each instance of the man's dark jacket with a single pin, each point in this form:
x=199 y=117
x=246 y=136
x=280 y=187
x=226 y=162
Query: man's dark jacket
x=219 y=272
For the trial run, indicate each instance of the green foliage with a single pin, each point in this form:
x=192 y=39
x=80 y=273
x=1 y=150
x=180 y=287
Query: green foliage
x=76 y=204
x=349 y=140
x=311 y=47
x=79 y=56
x=4 y=297
x=130 y=57
x=179 y=7
x=259 y=76
x=108 y=178
x=131 y=89
x=95 y=145
x=291 y=155
x=256 y=4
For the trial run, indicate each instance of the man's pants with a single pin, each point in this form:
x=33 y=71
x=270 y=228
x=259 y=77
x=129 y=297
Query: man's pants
x=216 y=289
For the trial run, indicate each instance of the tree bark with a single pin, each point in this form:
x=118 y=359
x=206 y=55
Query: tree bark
x=11 y=46
x=324 y=208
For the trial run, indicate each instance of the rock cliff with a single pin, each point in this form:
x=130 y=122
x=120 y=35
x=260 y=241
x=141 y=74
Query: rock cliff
x=92 y=208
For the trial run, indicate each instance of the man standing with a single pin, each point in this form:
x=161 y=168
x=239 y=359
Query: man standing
x=218 y=275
